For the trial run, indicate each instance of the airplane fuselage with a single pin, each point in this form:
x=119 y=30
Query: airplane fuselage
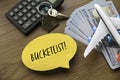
x=111 y=28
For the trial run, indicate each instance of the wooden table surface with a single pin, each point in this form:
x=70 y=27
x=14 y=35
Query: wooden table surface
x=12 y=43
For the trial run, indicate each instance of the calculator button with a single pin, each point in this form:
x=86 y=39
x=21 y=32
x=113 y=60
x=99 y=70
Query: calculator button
x=20 y=6
x=20 y=14
x=27 y=24
x=15 y=17
x=38 y=15
x=33 y=19
x=11 y=13
x=24 y=18
x=33 y=3
x=20 y=22
x=29 y=15
x=24 y=3
x=16 y=9
x=33 y=11
x=24 y=10
x=29 y=7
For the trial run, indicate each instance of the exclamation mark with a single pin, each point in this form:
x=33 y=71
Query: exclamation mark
x=64 y=43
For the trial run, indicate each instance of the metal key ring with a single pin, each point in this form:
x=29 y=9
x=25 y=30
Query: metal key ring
x=43 y=7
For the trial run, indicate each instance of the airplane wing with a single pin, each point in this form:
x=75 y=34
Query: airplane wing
x=99 y=34
x=115 y=21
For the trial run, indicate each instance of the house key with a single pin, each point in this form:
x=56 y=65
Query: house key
x=49 y=23
x=54 y=13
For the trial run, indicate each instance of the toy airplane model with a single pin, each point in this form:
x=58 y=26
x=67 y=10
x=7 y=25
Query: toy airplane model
x=107 y=25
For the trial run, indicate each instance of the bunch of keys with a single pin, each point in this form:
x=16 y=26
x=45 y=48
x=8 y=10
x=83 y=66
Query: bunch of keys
x=51 y=17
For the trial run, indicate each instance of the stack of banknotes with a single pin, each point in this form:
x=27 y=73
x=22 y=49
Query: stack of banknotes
x=83 y=22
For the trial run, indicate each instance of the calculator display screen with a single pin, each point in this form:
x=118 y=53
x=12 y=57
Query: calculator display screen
x=52 y=1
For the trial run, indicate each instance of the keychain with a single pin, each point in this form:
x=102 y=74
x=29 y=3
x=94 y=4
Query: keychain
x=50 y=16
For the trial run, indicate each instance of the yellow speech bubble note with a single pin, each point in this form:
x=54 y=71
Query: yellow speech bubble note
x=49 y=51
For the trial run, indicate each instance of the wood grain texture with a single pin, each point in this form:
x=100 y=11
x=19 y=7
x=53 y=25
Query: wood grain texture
x=12 y=43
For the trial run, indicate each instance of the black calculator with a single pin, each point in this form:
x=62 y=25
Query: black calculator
x=25 y=15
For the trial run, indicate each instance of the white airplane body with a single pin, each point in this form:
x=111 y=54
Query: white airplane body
x=107 y=25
